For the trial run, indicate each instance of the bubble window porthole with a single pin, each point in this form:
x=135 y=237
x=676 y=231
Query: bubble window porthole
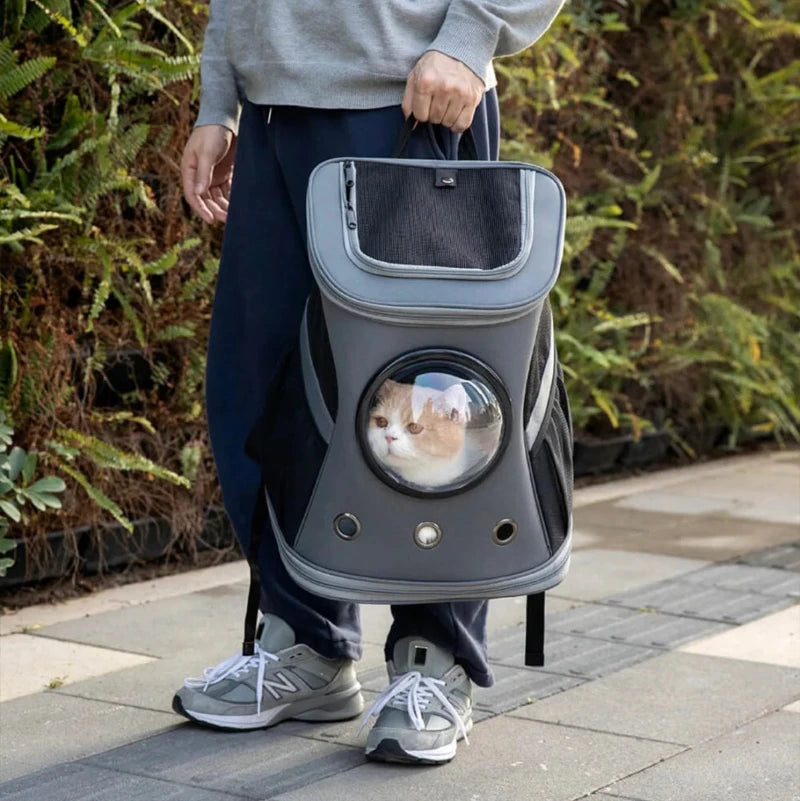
x=434 y=423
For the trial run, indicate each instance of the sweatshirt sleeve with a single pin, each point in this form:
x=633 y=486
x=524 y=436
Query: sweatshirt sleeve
x=475 y=31
x=219 y=96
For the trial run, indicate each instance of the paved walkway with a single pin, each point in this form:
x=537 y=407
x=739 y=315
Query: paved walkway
x=673 y=672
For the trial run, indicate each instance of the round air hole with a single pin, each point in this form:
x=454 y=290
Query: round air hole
x=504 y=532
x=347 y=526
x=427 y=535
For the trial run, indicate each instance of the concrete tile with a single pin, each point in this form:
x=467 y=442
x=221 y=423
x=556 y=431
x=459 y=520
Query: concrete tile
x=747 y=578
x=256 y=764
x=611 y=514
x=515 y=687
x=152 y=686
x=569 y=655
x=705 y=537
x=757 y=761
x=74 y=781
x=29 y=664
x=692 y=600
x=774 y=640
x=680 y=501
x=375 y=622
x=677 y=697
x=506 y=612
x=43 y=729
x=793 y=707
x=343 y=732
x=164 y=628
x=637 y=627
x=138 y=593
x=506 y=759
x=595 y=573
x=785 y=557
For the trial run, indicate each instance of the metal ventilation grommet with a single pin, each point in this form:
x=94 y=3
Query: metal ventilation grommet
x=504 y=532
x=346 y=526
x=427 y=535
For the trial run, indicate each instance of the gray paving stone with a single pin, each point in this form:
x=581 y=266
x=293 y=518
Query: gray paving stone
x=747 y=578
x=619 y=624
x=47 y=728
x=757 y=761
x=515 y=687
x=164 y=628
x=691 y=600
x=343 y=732
x=570 y=655
x=595 y=574
x=256 y=764
x=677 y=697
x=76 y=782
x=508 y=759
x=785 y=556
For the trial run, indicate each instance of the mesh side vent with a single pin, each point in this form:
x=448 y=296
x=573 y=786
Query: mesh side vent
x=404 y=218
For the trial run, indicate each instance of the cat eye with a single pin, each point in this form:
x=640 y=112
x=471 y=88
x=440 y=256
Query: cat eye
x=381 y=422
x=414 y=428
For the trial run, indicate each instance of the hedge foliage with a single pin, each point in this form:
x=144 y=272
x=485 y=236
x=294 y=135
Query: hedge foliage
x=674 y=127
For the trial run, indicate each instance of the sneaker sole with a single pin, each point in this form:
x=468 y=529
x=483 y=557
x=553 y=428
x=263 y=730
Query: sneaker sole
x=343 y=705
x=390 y=750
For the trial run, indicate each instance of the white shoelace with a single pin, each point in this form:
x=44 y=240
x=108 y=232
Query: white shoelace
x=415 y=692
x=233 y=667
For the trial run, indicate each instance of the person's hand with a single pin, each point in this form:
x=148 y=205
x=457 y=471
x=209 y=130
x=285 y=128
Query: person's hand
x=207 y=170
x=442 y=90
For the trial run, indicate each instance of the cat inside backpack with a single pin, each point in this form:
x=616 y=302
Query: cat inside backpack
x=422 y=434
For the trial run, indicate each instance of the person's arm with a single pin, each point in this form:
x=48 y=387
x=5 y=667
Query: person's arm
x=219 y=98
x=476 y=31
x=448 y=82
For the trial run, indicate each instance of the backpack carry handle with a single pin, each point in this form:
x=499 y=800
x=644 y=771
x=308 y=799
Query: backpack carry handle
x=466 y=144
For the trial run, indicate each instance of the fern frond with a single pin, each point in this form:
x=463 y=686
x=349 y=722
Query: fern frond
x=17 y=78
x=9 y=128
x=59 y=19
x=98 y=496
x=107 y=456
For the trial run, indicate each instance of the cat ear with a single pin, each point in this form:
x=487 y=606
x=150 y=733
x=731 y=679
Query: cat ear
x=454 y=403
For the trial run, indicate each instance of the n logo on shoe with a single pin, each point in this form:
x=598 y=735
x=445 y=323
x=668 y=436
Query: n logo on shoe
x=284 y=684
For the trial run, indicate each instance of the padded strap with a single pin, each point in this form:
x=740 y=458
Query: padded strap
x=534 y=630
x=254 y=594
x=316 y=400
x=466 y=145
x=546 y=388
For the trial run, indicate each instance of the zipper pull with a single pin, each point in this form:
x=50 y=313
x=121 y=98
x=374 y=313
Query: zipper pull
x=351 y=217
x=349 y=174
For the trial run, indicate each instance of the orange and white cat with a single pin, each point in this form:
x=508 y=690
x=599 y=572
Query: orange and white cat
x=419 y=433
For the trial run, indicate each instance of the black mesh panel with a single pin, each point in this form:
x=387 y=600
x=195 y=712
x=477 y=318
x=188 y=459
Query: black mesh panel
x=404 y=218
x=321 y=354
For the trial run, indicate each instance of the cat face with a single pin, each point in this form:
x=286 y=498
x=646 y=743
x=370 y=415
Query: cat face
x=419 y=432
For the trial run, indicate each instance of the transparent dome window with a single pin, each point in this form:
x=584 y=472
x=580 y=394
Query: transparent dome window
x=434 y=426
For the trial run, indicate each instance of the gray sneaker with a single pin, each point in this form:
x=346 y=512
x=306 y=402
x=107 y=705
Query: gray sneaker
x=426 y=709
x=281 y=680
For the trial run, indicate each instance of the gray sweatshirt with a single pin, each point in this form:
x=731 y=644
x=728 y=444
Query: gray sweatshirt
x=351 y=54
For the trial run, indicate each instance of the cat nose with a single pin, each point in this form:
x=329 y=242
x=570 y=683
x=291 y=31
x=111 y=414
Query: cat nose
x=390 y=438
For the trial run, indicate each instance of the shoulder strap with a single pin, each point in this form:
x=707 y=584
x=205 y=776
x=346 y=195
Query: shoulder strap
x=534 y=630
x=254 y=594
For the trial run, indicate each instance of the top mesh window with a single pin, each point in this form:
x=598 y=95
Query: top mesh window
x=404 y=218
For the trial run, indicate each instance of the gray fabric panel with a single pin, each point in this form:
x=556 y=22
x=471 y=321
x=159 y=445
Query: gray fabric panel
x=347 y=484
x=540 y=407
x=314 y=396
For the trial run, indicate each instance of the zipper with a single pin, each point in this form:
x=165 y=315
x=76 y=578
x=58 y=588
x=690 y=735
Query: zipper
x=349 y=195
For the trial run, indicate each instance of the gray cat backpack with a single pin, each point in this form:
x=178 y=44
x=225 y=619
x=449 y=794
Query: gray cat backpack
x=416 y=443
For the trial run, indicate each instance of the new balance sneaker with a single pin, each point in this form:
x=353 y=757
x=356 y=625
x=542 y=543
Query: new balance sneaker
x=426 y=709
x=281 y=680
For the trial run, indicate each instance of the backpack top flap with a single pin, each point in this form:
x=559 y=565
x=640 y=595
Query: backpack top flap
x=471 y=240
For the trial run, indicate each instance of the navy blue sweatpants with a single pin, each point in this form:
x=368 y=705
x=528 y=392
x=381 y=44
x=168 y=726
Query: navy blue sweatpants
x=263 y=284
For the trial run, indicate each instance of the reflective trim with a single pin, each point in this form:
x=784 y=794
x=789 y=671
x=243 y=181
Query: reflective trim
x=362 y=589
x=543 y=398
x=316 y=400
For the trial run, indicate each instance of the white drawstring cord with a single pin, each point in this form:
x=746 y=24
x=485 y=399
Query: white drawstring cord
x=415 y=691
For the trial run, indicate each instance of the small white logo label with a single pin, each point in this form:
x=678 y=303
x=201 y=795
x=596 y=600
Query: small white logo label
x=275 y=686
